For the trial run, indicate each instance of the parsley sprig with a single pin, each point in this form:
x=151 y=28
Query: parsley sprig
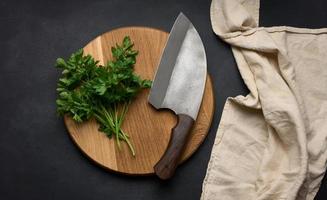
x=87 y=89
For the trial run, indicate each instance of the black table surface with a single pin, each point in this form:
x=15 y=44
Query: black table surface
x=37 y=158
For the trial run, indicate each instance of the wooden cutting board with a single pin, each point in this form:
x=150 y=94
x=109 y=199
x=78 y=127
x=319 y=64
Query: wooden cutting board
x=148 y=128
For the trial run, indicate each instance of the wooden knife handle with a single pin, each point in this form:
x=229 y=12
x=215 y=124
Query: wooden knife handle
x=166 y=166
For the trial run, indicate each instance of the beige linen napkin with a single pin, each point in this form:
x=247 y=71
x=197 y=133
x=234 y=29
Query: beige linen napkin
x=272 y=143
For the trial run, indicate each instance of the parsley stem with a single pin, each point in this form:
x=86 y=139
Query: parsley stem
x=97 y=117
x=109 y=118
x=128 y=143
x=116 y=126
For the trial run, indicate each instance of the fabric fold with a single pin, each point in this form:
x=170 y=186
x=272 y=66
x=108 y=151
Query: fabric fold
x=270 y=144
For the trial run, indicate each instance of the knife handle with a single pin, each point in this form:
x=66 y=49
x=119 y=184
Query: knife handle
x=166 y=166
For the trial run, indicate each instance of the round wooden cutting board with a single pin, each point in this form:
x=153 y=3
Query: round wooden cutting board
x=148 y=128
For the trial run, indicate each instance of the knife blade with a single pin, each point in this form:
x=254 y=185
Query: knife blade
x=179 y=85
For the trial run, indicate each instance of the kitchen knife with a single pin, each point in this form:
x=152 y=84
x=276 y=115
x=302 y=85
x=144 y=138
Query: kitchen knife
x=178 y=85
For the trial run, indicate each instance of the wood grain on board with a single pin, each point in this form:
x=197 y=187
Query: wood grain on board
x=148 y=128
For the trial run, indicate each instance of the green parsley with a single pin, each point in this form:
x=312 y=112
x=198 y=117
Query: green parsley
x=88 y=90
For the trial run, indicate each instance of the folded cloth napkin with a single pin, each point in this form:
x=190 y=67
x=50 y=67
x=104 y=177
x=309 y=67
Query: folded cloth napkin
x=272 y=143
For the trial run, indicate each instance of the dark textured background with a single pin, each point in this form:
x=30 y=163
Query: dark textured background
x=37 y=158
